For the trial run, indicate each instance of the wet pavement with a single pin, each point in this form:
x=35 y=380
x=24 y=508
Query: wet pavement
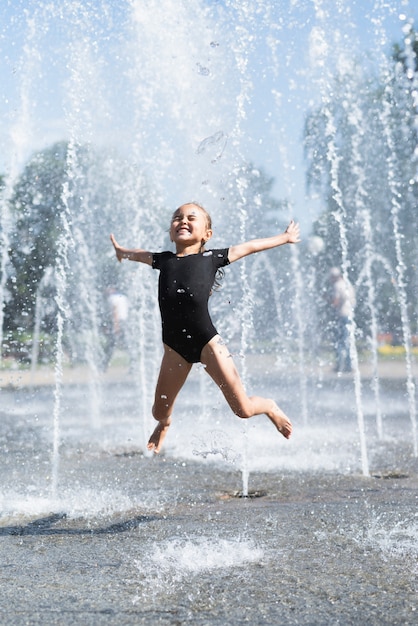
x=305 y=549
x=127 y=538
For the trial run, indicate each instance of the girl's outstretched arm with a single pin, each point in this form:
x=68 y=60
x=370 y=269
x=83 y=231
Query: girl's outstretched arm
x=142 y=256
x=290 y=235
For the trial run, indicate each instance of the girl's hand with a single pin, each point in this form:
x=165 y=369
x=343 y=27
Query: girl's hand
x=117 y=247
x=293 y=232
x=141 y=256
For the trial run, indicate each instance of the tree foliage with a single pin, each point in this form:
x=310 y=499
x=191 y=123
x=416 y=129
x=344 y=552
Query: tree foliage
x=72 y=195
x=37 y=206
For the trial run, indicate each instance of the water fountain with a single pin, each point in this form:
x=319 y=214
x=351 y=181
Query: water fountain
x=159 y=103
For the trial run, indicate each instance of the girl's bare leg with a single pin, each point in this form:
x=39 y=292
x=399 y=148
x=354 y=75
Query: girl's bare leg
x=221 y=367
x=173 y=373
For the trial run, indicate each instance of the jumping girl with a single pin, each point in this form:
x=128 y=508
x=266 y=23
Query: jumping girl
x=189 y=336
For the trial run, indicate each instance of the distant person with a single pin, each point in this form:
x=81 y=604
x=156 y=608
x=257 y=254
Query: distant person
x=343 y=301
x=116 y=331
x=187 y=277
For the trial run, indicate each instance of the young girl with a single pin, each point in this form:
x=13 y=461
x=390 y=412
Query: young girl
x=185 y=283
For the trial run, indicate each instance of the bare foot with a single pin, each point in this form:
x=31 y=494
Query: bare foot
x=281 y=421
x=156 y=440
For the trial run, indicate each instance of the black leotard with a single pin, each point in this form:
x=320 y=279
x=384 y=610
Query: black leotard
x=184 y=288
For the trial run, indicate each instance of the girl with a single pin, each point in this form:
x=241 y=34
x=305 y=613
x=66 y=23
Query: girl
x=185 y=283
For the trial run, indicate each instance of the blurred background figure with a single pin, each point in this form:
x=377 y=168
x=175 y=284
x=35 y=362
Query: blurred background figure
x=116 y=325
x=343 y=301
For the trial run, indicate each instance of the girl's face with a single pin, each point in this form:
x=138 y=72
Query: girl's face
x=189 y=225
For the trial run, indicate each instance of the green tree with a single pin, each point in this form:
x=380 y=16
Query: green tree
x=37 y=205
x=72 y=195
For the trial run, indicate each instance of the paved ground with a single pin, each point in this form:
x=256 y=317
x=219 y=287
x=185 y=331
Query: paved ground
x=309 y=549
x=130 y=539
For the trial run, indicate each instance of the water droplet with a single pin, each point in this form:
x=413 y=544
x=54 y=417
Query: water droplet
x=213 y=145
x=204 y=71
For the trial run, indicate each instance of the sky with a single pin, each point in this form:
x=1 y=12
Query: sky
x=184 y=90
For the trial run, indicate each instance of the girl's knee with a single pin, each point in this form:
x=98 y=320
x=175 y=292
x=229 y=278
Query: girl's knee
x=161 y=413
x=243 y=410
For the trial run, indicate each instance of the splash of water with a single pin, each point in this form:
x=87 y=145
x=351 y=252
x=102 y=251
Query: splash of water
x=174 y=560
x=395 y=538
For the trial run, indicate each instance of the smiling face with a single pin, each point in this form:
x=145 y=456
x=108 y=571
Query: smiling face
x=190 y=228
